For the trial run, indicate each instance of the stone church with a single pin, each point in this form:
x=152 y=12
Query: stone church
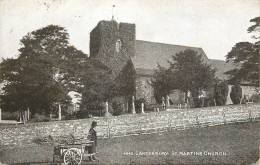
x=115 y=45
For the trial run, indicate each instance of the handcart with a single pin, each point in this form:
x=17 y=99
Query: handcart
x=71 y=152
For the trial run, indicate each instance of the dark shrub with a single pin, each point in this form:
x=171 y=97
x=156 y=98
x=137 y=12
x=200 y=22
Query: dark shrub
x=118 y=106
x=221 y=92
x=236 y=94
x=197 y=102
x=40 y=118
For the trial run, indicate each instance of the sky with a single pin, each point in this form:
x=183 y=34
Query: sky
x=215 y=26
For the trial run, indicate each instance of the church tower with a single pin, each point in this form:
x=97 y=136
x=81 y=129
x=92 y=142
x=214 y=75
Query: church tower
x=113 y=44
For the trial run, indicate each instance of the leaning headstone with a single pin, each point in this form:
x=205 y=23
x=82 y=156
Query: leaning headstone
x=142 y=105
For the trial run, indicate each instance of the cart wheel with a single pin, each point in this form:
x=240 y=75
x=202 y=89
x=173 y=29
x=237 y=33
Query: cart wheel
x=73 y=156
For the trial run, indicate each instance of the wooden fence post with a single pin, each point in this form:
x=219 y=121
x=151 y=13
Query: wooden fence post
x=170 y=123
x=108 y=130
x=197 y=121
x=250 y=115
x=224 y=116
x=140 y=129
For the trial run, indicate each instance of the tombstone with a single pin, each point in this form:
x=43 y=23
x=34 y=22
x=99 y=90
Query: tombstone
x=163 y=103
x=188 y=97
x=0 y=114
x=107 y=114
x=167 y=101
x=142 y=105
x=158 y=110
x=133 y=105
x=106 y=107
x=25 y=116
x=28 y=113
x=59 y=118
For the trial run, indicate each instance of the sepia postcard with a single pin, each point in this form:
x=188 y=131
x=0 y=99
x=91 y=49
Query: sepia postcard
x=129 y=82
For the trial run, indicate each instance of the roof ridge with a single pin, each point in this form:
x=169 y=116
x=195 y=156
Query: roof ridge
x=168 y=44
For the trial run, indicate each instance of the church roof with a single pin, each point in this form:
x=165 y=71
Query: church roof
x=221 y=67
x=150 y=54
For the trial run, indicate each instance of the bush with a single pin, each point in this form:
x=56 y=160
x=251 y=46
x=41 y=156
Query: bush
x=197 y=102
x=221 y=93
x=40 y=118
x=118 y=106
x=10 y=115
x=236 y=94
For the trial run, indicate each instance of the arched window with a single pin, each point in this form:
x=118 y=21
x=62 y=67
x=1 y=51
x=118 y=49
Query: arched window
x=118 y=45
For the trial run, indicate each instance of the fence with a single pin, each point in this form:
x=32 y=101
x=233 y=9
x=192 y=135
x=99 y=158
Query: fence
x=130 y=125
x=181 y=120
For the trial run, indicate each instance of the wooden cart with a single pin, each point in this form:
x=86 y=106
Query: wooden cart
x=71 y=153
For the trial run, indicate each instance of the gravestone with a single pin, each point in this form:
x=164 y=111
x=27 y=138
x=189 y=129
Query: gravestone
x=133 y=105
x=167 y=101
x=163 y=103
x=59 y=118
x=107 y=114
x=142 y=105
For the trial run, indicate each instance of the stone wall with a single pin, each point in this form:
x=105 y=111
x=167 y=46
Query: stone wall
x=127 y=124
x=103 y=42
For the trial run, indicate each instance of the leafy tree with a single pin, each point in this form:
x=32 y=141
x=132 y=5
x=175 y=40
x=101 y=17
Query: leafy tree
x=221 y=93
x=191 y=73
x=187 y=72
x=236 y=94
x=100 y=86
x=44 y=72
x=255 y=28
x=162 y=83
x=246 y=56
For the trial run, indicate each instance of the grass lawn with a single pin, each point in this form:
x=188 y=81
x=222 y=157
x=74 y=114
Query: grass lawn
x=227 y=144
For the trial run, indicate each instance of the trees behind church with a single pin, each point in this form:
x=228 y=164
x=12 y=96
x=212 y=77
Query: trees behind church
x=246 y=56
x=46 y=69
x=187 y=72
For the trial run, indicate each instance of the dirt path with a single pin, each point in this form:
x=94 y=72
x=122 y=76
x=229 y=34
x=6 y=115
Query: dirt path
x=229 y=144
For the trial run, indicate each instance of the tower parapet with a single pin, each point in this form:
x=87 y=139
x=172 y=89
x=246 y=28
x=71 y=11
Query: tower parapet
x=113 y=43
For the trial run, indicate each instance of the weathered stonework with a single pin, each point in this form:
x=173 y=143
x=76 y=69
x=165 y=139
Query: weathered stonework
x=118 y=125
x=115 y=45
x=103 y=44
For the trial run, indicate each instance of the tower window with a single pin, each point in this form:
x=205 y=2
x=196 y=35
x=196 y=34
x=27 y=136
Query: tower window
x=118 y=45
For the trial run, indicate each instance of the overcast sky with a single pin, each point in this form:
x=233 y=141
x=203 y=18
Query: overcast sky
x=215 y=26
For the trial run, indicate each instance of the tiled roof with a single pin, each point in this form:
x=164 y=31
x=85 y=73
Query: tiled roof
x=221 y=67
x=150 y=54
